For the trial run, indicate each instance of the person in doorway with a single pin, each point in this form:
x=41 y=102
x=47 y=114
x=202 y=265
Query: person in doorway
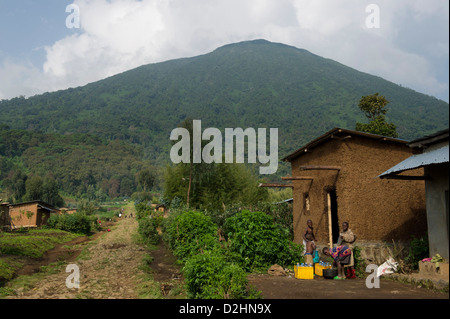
x=341 y=255
x=347 y=238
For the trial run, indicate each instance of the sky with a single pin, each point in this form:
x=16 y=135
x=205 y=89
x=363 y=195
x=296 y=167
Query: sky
x=44 y=49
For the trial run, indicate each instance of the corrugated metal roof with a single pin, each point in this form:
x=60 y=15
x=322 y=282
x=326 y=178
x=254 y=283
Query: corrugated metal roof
x=437 y=156
x=285 y=201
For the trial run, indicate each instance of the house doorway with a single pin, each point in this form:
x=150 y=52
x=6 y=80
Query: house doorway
x=333 y=215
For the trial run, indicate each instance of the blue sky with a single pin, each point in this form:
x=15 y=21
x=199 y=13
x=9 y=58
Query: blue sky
x=27 y=26
x=39 y=53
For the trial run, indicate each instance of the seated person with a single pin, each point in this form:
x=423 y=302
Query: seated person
x=341 y=256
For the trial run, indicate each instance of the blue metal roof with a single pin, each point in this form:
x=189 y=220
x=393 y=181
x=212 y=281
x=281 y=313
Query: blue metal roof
x=286 y=201
x=436 y=156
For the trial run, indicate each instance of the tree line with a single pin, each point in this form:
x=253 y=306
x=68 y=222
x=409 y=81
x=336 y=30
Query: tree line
x=35 y=165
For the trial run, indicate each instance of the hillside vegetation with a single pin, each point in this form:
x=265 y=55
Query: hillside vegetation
x=106 y=131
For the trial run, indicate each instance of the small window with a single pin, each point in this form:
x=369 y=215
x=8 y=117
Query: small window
x=306 y=205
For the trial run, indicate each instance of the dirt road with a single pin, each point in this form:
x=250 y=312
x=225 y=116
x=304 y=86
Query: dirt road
x=108 y=268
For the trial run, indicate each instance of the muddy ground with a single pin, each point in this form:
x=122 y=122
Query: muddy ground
x=275 y=287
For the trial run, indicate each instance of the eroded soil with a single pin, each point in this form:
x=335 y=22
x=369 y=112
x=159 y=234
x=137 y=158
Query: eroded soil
x=108 y=267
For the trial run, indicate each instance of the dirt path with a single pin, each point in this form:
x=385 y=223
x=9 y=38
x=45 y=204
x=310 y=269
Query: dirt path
x=276 y=287
x=108 y=268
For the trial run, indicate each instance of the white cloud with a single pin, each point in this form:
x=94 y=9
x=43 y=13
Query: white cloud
x=117 y=35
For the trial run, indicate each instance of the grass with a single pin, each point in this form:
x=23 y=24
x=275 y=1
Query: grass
x=33 y=243
x=24 y=244
x=148 y=288
x=27 y=282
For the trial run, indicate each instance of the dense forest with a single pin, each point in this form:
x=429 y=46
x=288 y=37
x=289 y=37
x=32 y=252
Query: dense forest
x=95 y=139
x=83 y=165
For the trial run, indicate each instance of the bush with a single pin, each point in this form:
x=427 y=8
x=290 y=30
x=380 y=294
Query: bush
x=143 y=210
x=190 y=232
x=209 y=276
x=76 y=223
x=256 y=242
x=147 y=228
x=418 y=250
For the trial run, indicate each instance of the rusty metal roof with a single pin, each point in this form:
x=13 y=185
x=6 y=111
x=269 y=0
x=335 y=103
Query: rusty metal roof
x=437 y=156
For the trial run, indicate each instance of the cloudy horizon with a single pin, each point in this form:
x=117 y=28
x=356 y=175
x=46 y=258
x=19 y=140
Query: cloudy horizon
x=40 y=52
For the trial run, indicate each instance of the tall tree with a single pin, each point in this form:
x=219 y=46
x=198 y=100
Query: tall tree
x=50 y=191
x=15 y=185
x=34 y=189
x=374 y=108
x=145 y=179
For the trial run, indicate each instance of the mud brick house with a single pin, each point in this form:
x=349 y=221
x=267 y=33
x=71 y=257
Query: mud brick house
x=159 y=207
x=434 y=158
x=335 y=179
x=30 y=214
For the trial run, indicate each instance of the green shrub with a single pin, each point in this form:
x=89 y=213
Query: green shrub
x=143 y=210
x=209 y=276
x=190 y=232
x=256 y=242
x=75 y=223
x=418 y=250
x=359 y=264
x=34 y=243
x=148 y=229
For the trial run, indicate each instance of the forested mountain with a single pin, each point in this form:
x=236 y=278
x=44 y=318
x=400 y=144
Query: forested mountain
x=82 y=164
x=249 y=84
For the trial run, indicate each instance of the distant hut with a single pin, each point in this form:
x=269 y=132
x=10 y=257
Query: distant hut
x=30 y=214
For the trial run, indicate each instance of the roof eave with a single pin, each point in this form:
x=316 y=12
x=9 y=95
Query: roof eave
x=330 y=134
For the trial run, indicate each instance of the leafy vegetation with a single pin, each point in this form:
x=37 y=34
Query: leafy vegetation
x=216 y=261
x=257 y=242
x=33 y=243
x=213 y=185
x=418 y=250
x=78 y=223
x=210 y=276
x=41 y=166
x=189 y=233
x=374 y=108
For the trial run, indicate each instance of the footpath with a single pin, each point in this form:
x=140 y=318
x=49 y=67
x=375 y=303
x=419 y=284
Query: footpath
x=108 y=267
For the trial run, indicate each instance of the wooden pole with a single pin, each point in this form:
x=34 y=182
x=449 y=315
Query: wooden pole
x=329 y=220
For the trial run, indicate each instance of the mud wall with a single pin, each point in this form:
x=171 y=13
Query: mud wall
x=376 y=209
x=24 y=215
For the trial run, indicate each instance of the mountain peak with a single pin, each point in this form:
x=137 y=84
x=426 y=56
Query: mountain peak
x=254 y=83
x=257 y=43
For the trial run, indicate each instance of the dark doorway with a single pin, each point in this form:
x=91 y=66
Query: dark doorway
x=334 y=216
